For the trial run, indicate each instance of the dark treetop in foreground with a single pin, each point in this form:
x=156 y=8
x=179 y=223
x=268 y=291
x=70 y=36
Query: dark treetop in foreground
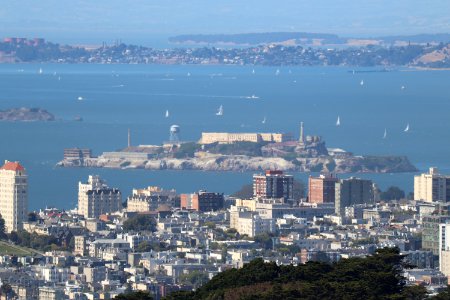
x=374 y=277
x=22 y=50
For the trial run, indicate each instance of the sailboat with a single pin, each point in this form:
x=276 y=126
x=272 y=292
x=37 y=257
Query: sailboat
x=407 y=128
x=220 y=111
x=41 y=71
x=253 y=72
x=277 y=72
x=385 y=134
x=264 y=120
x=362 y=82
x=188 y=74
x=338 y=122
x=167 y=113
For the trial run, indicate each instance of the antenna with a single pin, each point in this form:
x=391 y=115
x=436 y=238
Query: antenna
x=129 y=138
x=302 y=137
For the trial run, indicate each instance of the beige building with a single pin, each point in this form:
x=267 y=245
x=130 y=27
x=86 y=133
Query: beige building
x=150 y=199
x=249 y=222
x=13 y=195
x=432 y=186
x=250 y=204
x=230 y=138
x=80 y=245
x=96 y=198
x=444 y=248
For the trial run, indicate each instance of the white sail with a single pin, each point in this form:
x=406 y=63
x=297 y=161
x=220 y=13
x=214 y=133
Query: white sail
x=167 y=113
x=362 y=82
x=41 y=71
x=220 y=111
x=277 y=72
x=407 y=128
x=338 y=122
x=253 y=71
x=385 y=134
x=264 y=120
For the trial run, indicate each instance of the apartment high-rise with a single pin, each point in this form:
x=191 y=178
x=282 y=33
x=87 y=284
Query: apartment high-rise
x=13 y=195
x=96 y=198
x=202 y=201
x=352 y=191
x=274 y=184
x=322 y=189
x=432 y=186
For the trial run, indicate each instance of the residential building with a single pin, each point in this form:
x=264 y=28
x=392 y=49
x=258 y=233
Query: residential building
x=202 y=201
x=444 y=248
x=432 y=186
x=249 y=222
x=150 y=198
x=96 y=198
x=430 y=232
x=80 y=245
x=322 y=189
x=352 y=191
x=51 y=293
x=13 y=195
x=273 y=184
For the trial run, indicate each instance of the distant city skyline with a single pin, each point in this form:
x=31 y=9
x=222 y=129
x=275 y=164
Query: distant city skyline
x=150 y=22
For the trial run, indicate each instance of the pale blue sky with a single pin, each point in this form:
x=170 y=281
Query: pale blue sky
x=143 y=21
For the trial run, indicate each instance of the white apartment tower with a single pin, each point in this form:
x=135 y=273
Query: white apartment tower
x=13 y=195
x=96 y=198
x=432 y=186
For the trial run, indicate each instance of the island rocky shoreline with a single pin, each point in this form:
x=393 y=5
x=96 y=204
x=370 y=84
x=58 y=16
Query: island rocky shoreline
x=243 y=163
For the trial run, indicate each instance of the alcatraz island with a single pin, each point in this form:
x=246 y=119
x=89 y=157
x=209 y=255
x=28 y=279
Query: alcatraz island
x=223 y=151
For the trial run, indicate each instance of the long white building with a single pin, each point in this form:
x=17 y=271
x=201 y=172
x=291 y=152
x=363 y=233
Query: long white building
x=13 y=195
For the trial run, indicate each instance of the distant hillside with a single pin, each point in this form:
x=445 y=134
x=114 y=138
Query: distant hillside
x=418 y=38
x=305 y=38
x=257 y=38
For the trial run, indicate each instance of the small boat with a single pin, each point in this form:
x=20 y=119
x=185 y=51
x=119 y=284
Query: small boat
x=385 y=134
x=167 y=113
x=407 y=128
x=78 y=119
x=277 y=72
x=362 y=82
x=253 y=72
x=264 y=120
x=402 y=87
x=220 y=111
x=338 y=122
x=188 y=74
x=80 y=98
x=253 y=97
x=40 y=71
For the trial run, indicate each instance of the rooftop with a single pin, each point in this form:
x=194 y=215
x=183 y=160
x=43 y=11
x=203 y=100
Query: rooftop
x=12 y=166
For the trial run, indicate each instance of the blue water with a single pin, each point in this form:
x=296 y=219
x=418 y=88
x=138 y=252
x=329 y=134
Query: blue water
x=118 y=97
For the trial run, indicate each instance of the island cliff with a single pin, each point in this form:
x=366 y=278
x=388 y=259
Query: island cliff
x=26 y=115
x=240 y=152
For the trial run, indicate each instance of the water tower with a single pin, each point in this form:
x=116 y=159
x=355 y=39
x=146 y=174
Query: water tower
x=174 y=131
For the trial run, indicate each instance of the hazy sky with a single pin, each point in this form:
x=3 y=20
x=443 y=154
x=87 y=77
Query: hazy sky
x=144 y=21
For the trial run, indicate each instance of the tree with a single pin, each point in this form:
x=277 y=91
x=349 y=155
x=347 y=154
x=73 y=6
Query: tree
x=144 y=246
x=32 y=217
x=2 y=228
x=138 y=295
x=140 y=223
x=392 y=193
